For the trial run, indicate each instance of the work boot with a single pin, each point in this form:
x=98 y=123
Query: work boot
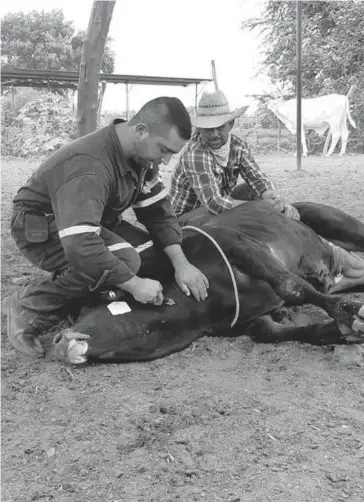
x=22 y=335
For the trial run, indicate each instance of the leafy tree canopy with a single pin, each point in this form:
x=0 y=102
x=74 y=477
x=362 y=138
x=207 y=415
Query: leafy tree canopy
x=45 y=41
x=332 y=45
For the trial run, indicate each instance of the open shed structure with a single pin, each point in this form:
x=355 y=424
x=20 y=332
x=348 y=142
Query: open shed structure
x=69 y=80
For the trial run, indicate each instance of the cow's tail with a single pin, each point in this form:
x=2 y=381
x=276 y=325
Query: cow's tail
x=349 y=115
x=348 y=107
x=350 y=91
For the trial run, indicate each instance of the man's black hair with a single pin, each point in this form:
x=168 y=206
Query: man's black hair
x=162 y=113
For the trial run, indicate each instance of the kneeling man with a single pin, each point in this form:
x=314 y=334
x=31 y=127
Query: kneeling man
x=66 y=220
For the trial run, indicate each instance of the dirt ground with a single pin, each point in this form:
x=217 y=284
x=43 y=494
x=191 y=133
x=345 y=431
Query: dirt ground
x=224 y=421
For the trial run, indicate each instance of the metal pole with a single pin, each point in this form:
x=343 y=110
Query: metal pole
x=298 y=82
x=127 y=101
x=196 y=94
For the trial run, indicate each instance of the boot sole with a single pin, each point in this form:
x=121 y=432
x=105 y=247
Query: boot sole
x=24 y=348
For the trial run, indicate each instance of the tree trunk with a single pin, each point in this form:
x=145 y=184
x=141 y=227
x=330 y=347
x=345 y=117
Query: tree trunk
x=93 y=51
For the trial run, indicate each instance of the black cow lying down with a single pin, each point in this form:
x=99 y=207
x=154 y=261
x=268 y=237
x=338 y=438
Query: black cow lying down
x=276 y=261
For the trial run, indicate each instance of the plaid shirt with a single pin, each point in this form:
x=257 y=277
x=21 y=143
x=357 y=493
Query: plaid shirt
x=198 y=180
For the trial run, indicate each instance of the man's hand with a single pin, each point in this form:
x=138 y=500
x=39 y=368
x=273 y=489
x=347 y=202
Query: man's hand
x=144 y=290
x=277 y=202
x=191 y=280
x=274 y=199
x=291 y=212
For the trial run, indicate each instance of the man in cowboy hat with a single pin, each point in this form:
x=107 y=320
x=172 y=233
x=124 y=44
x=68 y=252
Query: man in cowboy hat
x=205 y=178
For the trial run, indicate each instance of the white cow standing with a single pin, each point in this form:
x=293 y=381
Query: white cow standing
x=319 y=114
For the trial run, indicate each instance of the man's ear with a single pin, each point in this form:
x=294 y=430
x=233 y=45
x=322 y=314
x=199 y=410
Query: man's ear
x=141 y=131
x=231 y=124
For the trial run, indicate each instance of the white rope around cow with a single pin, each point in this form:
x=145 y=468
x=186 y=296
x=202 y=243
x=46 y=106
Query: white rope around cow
x=235 y=287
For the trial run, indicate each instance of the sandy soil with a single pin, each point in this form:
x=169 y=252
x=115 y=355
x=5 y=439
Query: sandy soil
x=223 y=421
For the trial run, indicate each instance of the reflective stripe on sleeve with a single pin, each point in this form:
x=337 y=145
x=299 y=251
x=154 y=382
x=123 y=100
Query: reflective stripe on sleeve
x=152 y=200
x=78 y=229
x=119 y=245
x=146 y=245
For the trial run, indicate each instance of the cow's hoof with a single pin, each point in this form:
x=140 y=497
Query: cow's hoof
x=358 y=324
x=70 y=347
x=351 y=326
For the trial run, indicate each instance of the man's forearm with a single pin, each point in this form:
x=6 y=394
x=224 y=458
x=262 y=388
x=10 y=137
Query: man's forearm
x=254 y=176
x=216 y=203
x=176 y=255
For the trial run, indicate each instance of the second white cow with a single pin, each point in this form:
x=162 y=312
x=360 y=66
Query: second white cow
x=322 y=113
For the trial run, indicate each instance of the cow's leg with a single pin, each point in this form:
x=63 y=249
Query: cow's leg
x=327 y=141
x=344 y=234
x=265 y=330
x=304 y=143
x=252 y=257
x=348 y=314
x=333 y=224
x=335 y=138
x=348 y=268
x=344 y=133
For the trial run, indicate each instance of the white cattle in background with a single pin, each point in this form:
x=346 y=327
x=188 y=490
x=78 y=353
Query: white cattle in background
x=326 y=112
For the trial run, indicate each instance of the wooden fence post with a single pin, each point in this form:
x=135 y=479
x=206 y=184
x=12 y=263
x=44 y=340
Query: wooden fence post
x=90 y=66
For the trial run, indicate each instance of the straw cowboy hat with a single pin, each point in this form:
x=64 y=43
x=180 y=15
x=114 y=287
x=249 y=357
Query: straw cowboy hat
x=213 y=111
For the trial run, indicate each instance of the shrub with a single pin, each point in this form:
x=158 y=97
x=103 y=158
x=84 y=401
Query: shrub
x=40 y=127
